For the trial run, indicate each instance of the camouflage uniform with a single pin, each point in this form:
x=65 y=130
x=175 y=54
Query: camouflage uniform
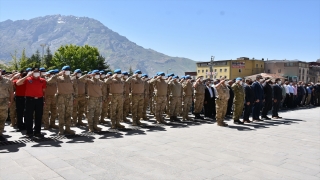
x=199 y=91
x=126 y=101
x=146 y=100
x=105 y=104
x=187 y=99
x=238 y=100
x=67 y=90
x=175 y=94
x=79 y=105
x=6 y=95
x=13 y=114
x=160 y=98
x=152 y=99
x=221 y=103
x=50 y=105
x=116 y=97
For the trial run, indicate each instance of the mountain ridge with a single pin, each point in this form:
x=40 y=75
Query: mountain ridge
x=57 y=30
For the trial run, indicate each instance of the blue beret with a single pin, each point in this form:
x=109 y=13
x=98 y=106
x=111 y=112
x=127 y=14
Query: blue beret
x=137 y=72
x=28 y=69
x=117 y=71
x=144 y=75
x=110 y=73
x=188 y=77
x=95 y=72
x=183 y=77
x=175 y=77
x=42 y=69
x=89 y=72
x=4 y=71
x=77 y=71
x=102 y=72
x=170 y=74
x=51 y=72
x=161 y=74
x=125 y=73
x=66 y=68
x=238 y=78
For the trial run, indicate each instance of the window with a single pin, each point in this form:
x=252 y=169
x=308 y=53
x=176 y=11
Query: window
x=215 y=70
x=206 y=70
x=268 y=70
x=225 y=76
x=206 y=76
x=299 y=70
x=279 y=70
x=220 y=76
x=215 y=77
x=302 y=71
x=225 y=70
x=202 y=70
x=239 y=70
x=198 y=71
x=261 y=66
x=220 y=70
x=256 y=65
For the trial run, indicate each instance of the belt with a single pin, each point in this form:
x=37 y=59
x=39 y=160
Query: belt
x=137 y=93
x=28 y=97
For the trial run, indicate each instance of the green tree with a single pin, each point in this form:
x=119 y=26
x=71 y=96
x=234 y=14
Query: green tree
x=14 y=64
x=34 y=60
x=23 y=62
x=130 y=71
x=48 y=59
x=86 y=58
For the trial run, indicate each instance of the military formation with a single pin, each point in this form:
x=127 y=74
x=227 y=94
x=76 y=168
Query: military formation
x=61 y=99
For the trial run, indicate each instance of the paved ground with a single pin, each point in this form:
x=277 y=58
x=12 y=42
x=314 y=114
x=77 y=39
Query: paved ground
x=277 y=149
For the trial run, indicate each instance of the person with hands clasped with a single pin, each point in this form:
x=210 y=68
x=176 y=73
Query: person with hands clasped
x=35 y=91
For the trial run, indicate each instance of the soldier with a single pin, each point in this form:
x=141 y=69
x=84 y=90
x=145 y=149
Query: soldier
x=126 y=100
x=221 y=102
x=80 y=102
x=167 y=111
x=147 y=96
x=187 y=97
x=199 y=90
x=95 y=98
x=105 y=104
x=161 y=90
x=152 y=98
x=12 y=109
x=238 y=100
x=138 y=93
x=67 y=91
x=175 y=94
x=6 y=97
x=43 y=72
x=116 y=97
x=50 y=104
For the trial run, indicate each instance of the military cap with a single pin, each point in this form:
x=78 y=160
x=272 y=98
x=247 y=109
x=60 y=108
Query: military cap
x=56 y=71
x=117 y=71
x=137 y=71
x=144 y=75
x=161 y=74
x=95 y=72
x=66 y=68
x=110 y=73
x=51 y=72
x=188 y=77
x=102 y=72
x=89 y=72
x=35 y=69
x=42 y=69
x=28 y=69
x=170 y=74
x=77 y=71
x=125 y=73
x=239 y=78
x=175 y=77
x=3 y=71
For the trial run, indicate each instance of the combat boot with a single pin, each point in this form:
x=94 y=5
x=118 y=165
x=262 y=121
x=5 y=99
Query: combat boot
x=145 y=118
x=46 y=127
x=134 y=122
x=69 y=131
x=113 y=124
x=80 y=123
x=168 y=116
x=96 y=128
x=171 y=118
x=91 y=128
x=176 y=118
x=61 y=130
x=125 y=120
x=222 y=124
x=53 y=125
x=102 y=121
x=138 y=122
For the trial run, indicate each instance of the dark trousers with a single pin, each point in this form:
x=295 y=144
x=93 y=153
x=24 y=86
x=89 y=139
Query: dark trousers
x=20 y=105
x=33 y=106
x=229 y=108
x=247 y=111
x=266 y=108
x=275 y=109
x=209 y=108
x=256 y=110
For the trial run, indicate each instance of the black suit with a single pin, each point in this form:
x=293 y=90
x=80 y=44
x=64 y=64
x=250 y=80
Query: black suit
x=277 y=95
x=249 y=97
x=267 y=89
x=209 y=103
x=230 y=101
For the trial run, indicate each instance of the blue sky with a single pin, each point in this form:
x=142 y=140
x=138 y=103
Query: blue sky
x=226 y=29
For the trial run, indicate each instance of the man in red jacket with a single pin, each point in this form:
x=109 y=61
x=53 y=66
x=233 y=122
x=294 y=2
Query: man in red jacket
x=35 y=89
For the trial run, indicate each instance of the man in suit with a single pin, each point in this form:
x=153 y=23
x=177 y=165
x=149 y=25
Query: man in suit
x=277 y=98
x=258 y=98
x=267 y=89
x=209 y=100
x=230 y=101
x=248 y=101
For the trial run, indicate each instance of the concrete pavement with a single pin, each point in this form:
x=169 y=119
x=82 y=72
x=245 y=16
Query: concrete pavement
x=287 y=148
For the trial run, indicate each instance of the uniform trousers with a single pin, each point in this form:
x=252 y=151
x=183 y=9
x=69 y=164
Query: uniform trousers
x=34 y=106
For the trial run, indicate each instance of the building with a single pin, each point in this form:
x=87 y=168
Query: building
x=231 y=69
x=291 y=70
x=314 y=72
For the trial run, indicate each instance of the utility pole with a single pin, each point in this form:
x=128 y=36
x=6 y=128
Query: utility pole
x=211 y=67
x=42 y=45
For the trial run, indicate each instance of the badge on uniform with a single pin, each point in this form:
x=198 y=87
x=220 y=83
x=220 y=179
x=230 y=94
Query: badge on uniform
x=30 y=81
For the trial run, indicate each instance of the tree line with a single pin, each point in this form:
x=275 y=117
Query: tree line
x=85 y=57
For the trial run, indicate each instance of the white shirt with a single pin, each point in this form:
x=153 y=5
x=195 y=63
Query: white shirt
x=215 y=90
x=287 y=89
x=210 y=91
x=290 y=89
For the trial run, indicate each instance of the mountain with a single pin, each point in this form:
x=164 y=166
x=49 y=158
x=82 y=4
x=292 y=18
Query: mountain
x=57 y=30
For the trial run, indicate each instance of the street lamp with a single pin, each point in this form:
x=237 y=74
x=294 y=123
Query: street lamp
x=211 y=67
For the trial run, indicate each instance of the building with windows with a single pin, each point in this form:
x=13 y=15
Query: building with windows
x=291 y=70
x=314 y=72
x=231 y=69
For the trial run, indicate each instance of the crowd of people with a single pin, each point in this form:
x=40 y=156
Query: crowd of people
x=36 y=97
